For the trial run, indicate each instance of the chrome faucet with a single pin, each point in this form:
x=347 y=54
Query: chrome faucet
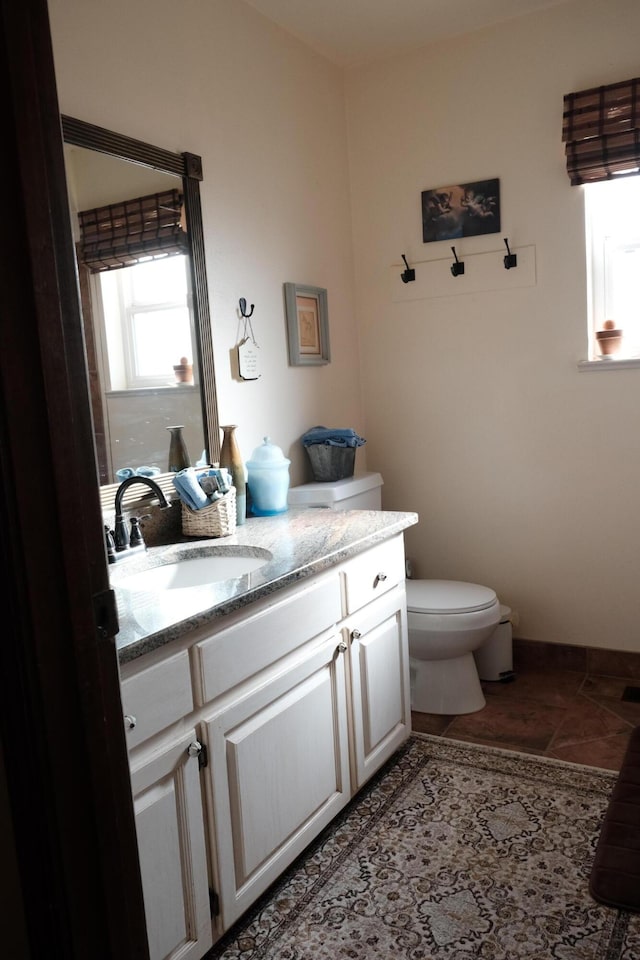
x=120 y=533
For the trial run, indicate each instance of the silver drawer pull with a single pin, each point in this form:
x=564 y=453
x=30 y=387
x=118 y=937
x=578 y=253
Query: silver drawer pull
x=380 y=578
x=194 y=749
x=342 y=647
x=355 y=634
x=130 y=721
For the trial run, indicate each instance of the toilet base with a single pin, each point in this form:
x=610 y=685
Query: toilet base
x=446 y=686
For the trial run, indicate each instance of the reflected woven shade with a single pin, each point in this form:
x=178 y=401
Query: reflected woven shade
x=123 y=234
x=601 y=132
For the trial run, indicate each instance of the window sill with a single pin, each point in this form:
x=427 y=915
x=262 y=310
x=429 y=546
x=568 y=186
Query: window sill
x=148 y=391
x=622 y=364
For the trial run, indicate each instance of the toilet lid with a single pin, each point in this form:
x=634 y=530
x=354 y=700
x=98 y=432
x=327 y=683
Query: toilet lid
x=448 y=596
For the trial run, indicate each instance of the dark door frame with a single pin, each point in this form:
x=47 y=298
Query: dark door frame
x=67 y=816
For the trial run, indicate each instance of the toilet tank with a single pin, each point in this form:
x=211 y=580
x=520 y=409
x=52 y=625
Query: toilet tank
x=362 y=492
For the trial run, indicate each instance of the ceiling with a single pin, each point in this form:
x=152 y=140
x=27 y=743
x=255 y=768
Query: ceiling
x=353 y=32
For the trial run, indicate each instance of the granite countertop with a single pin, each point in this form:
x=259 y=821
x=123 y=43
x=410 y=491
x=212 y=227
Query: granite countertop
x=301 y=543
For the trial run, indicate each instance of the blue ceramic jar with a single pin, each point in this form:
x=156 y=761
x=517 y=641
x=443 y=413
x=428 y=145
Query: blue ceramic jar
x=268 y=480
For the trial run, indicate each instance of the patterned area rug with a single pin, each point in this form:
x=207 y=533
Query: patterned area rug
x=453 y=851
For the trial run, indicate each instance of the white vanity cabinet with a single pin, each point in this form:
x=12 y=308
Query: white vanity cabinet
x=379 y=683
x=167 y=797
x=375 y=630
x=279 y=773
x=296 y=700
x=169 y=818
x=278 y=741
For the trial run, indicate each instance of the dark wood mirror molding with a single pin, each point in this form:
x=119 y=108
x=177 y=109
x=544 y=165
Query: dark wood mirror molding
x=188 y=167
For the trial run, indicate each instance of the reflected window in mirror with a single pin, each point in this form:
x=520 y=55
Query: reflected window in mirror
x=145 y=316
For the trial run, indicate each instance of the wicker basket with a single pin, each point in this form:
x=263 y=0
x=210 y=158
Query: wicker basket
x=216 y=520
x=329 y=463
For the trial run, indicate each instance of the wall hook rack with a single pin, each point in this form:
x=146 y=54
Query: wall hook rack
x=457 y=268
x=407 y=274
x=243 y=308
x=511 y=260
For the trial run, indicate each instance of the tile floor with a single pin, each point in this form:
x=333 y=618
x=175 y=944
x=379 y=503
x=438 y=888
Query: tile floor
x=569 y=714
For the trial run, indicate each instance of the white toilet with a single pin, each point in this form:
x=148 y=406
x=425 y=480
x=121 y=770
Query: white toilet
x=447 y=619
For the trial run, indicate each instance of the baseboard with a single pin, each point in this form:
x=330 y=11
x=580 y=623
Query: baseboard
x=563 y=656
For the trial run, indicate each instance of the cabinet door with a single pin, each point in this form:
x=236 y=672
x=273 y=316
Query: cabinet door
x=170 y=828
x=279 y=773
x=379 y=667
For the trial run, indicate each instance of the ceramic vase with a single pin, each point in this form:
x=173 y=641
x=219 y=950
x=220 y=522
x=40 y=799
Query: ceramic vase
x=178 y=455
x=268 y=480
x=231 y=458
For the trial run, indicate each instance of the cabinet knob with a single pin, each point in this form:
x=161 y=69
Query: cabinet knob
x=355 y=634
x=194 y=749
x=130 y=721
x=342 y=647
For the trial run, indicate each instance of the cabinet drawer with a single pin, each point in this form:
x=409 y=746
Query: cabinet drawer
x=240 y=651
x=372 y=573
x=156 y=697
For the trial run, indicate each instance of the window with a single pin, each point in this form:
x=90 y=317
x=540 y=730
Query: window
x=147 y=322
x=613 y=261
x=601 y=133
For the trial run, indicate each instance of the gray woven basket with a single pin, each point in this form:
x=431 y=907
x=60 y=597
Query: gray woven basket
x=329 y=463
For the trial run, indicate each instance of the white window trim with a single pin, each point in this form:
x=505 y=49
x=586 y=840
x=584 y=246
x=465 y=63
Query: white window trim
x=626 y=363
x=596 y=282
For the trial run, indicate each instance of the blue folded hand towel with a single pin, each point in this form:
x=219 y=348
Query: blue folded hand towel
x=124 y=473
x=187 y=484
x=333 y=437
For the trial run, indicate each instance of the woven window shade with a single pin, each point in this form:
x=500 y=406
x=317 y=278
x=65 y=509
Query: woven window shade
x=123 y=234
x=601 y=130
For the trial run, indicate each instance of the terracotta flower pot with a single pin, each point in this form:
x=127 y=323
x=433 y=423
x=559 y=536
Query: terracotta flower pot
x=609 y=341
x=183 y=371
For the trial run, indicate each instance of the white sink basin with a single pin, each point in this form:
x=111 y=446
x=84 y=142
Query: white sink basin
x=198 y=571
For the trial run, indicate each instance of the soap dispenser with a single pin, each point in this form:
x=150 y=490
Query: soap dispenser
x=268 y=480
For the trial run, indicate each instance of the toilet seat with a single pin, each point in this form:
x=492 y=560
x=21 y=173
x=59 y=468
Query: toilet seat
x=448 y=597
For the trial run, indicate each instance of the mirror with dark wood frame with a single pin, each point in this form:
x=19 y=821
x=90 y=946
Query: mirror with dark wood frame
x=131 y=415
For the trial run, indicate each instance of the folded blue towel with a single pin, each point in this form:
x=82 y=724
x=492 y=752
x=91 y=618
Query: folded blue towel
x=336 y=437
x=189 y=489
x=127 y=472
x=124 y=473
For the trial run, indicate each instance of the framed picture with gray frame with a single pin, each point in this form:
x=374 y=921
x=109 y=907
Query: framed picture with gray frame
x=307 y=325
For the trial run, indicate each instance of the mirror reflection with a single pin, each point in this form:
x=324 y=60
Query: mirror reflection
x=147 y=334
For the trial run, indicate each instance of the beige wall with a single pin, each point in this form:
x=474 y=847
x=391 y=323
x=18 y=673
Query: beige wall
x=525 y=472
x=268 y=118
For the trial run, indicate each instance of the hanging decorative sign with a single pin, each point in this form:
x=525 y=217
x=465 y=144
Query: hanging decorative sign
x=248 y=350
x=248 y=359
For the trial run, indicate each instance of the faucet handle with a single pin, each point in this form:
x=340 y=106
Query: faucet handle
x=110 y=544
x=135 y=537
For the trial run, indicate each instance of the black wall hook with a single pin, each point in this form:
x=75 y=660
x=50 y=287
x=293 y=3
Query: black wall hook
x=457 y=268
x=243 y=308
x=511 y=260
x=407 y=274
